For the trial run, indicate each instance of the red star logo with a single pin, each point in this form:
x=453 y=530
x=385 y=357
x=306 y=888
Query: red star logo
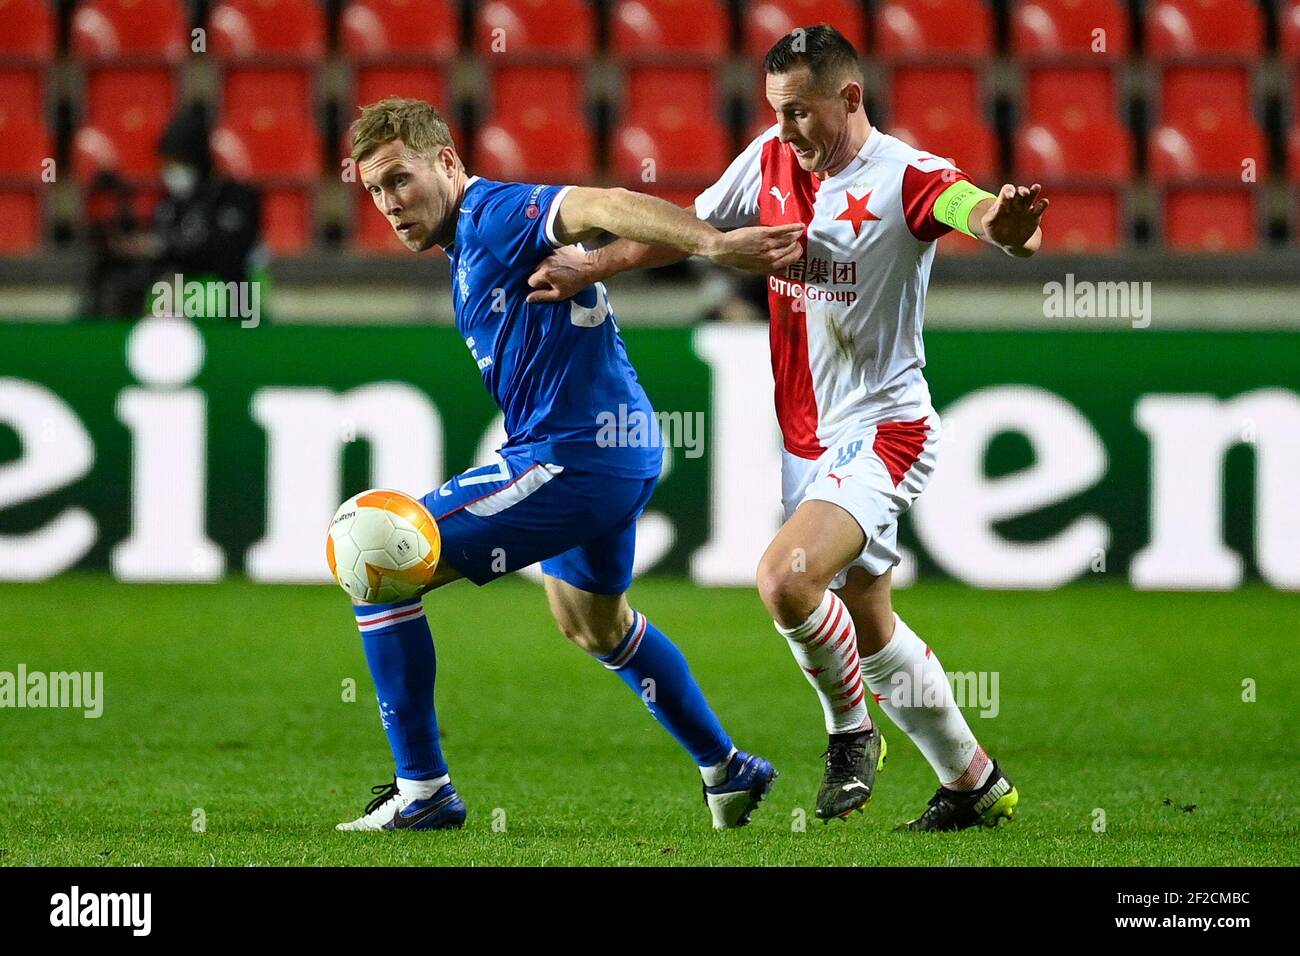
x=856 y=211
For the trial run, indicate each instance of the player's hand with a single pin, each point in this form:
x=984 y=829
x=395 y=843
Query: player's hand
x=759 y=248
x=562 y=275
x=1012 y=221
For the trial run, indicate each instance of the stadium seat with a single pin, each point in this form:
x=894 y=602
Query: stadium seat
x=139 y=29
x=371 y=28
x=21 y=90
x=20 y=211
x=677 y=145
x=27 y=142
x=1180 y=28
x=287 y=219
x=1210 y=220
x=377 y=81
x=1055 y=28
x=535 y=144
x=650 y=87
x=27 y=29
x=938 y=110
x=126 y=110
x=675 y=27
x=768 y=20
x=281 y=28
x=915 y=90
x=268 y=143
x=1206 y=128
x=514 y=90
x=563 y=28
x=245 y=90
x=1289 y=30
x=1083 y=221
x=1069 y=130
x=920 y=28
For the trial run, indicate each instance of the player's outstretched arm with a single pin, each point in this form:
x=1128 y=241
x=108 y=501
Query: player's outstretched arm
x=1011 y=219
x=569 y=270
x=585 y=213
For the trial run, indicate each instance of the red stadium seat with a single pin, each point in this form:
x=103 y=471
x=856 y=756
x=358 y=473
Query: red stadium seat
x=515 y=89
x=1206 y=128
x=537 y=27
x=1201 y=220
x=1054 y=93
x=21 y=91
x=672 y=145
x=287 y=220
x=1185 y=90
x=691 y=88
x=1083 y=221
x=915 y=90
x=535 y=144
x=284 y=28
x=245 y=90
x=1177 y=28
x=126 y=110
x=383 y=27
x=1066 y=27
x=911 y=28
x=20 y=211
x=27 y=143
x=938 y=110
x=697 y=27
x=26 y=29
x=1289 y=30
x=377 y=81
x=1070 y=130
x=268 y=143
x=769 y=20
x=115 y=29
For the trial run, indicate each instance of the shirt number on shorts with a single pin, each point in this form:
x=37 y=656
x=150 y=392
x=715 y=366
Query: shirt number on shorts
x=846 y=454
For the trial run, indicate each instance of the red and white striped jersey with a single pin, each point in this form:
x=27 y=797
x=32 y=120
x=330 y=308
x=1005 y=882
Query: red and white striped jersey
x=846 y=319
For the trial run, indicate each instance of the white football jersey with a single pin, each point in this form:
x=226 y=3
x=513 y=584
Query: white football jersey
x=846 y=319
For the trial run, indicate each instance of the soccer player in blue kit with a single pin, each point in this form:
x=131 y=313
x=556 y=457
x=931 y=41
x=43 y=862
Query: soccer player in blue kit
x=562 y=493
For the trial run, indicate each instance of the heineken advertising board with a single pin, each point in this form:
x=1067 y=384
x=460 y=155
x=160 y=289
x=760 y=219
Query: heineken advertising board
x=170 y=451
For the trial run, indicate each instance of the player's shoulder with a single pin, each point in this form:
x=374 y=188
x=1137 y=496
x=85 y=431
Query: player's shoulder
x=893 y=150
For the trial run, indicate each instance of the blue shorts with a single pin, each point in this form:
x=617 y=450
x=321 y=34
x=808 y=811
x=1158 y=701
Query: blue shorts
x=581 y=525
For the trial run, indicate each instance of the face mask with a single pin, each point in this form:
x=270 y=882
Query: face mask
x=180 y=180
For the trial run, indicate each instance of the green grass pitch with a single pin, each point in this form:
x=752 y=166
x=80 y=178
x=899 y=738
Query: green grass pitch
x=229 y=699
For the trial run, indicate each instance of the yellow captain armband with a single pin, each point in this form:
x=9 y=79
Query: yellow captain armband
x=954 y=204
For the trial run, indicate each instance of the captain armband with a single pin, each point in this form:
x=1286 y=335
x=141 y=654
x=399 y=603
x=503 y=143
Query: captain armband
x=955 y=203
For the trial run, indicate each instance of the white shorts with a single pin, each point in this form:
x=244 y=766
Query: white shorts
x=874 y=474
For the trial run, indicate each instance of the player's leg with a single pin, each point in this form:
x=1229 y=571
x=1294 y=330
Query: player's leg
x=586 y=587
x=403 y=664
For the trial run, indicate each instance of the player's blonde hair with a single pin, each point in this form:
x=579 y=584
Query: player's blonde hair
x=415 y=122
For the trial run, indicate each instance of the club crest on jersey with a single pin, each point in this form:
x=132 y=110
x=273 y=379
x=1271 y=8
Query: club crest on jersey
x=856 y=211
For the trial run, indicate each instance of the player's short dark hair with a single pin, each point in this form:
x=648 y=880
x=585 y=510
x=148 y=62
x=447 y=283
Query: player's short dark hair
x=824 y=50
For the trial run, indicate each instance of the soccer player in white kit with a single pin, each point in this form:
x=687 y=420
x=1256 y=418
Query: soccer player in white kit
x=859 y=432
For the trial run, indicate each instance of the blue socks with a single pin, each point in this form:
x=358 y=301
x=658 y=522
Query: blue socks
x=650 y=664
x=399 y=650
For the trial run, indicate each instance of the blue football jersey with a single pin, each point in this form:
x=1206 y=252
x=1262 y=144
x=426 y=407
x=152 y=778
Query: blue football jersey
x=558 y=370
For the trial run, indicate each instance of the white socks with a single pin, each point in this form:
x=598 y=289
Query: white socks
x=718 y=772
x=911 y=687
x=421 y=789
x=826 y=649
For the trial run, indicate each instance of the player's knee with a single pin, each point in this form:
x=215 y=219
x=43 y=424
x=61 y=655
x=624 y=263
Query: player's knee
x=597 y=637
x=788 y=591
